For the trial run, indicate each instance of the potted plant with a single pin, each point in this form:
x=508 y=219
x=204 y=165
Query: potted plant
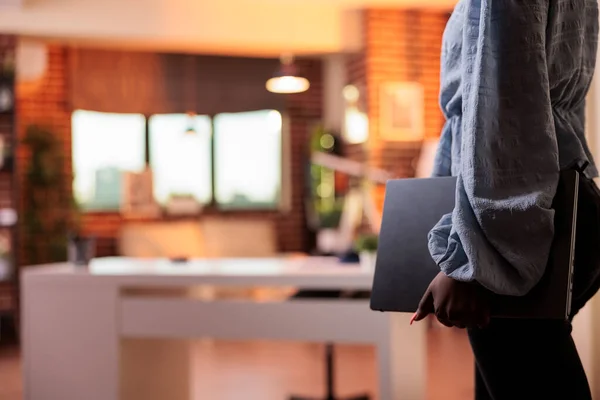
x=50 y=212
x=366 y=247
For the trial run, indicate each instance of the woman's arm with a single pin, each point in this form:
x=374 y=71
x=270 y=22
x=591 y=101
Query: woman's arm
x=502 y=227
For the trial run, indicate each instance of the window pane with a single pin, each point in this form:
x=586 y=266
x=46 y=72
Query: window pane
x=248 y=159
x=104 y=146
x=181 y=160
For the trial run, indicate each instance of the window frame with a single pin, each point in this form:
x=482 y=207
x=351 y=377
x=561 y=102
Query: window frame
x=211 y=199
x=284 y=205
x=86 y=210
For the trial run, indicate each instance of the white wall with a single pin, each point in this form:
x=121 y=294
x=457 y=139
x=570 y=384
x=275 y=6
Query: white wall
x=334 y=81
x=251 y=27
x=223 y=26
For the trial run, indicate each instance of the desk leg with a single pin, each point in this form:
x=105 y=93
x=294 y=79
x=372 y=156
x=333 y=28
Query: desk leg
x=70 y=340
x=402 y=359
x=156 y=369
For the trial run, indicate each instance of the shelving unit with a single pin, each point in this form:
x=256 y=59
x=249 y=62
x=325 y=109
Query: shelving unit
x=8 y=187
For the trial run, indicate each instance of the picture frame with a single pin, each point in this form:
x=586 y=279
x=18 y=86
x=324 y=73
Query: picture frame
x=401 y=112
x=138 y=195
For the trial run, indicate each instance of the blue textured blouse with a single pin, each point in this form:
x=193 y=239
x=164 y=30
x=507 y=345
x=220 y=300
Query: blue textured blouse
x=515 y=74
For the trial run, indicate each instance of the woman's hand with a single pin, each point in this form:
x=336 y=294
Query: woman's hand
x=455 y=303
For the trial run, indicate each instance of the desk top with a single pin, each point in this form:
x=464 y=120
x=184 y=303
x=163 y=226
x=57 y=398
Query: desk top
x=308 y=272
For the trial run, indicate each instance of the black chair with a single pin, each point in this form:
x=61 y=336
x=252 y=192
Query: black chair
x=329 y=347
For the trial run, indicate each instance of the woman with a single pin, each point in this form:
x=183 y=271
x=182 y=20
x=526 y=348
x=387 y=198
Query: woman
x=515 y=74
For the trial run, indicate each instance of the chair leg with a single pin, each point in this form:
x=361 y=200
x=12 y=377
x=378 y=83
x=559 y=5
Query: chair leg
x=329 y=379
x=329 y=371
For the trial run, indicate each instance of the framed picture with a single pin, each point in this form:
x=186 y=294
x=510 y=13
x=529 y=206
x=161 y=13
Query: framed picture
x=401 y=112
x=138 y=195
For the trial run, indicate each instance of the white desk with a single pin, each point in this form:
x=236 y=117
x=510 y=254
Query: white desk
x=74 y=319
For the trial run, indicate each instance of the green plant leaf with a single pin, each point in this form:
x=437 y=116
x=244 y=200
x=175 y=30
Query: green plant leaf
x=50 y=210
x=366 y=242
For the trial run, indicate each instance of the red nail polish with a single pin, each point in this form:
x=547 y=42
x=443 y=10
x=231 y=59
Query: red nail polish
x=413 y=318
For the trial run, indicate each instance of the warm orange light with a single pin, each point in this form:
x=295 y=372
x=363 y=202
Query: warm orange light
x=287 y=80
x=288 y=84
x=356 y=126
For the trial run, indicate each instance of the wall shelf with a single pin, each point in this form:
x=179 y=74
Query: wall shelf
x=9 y=299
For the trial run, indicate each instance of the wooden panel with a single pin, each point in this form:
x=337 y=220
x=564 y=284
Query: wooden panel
x=162 y=239
x=149 y=83
x=226 y=238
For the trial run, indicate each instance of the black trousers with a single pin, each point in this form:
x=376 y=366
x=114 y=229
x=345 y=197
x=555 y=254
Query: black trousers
x=527 y=360
x=537 y=359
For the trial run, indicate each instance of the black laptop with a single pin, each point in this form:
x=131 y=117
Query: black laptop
x=404 y=267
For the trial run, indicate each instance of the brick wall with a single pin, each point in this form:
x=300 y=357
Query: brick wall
x=405 y=46
x=7 y=129
x=44 y=102
x=7 y=121
x=305 y=112
x=47 y=102
x=401 y=45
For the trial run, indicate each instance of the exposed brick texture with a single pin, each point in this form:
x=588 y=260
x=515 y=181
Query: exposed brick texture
x=7 y=124
x=401 y=45
x=8 y=291
x=305 y=112
x=45 y=102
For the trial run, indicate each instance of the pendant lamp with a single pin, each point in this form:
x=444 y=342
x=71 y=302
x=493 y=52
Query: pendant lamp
x=287 y=80
x=191 y=128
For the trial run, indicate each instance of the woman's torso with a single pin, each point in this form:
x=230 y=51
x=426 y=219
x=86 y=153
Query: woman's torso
x=571 y=46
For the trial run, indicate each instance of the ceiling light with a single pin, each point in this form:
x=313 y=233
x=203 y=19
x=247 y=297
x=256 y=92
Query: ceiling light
x=286 y=79
x=191 y=128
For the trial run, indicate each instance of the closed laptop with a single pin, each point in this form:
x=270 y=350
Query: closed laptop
x=404 y=266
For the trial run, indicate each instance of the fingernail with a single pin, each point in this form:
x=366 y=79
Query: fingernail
x=413 y=318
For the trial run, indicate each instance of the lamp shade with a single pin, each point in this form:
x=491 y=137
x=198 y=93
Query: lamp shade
x=287 y=80
x=191 y=128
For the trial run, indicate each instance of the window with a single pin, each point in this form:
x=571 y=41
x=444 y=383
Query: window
x=181 y=159
x=243 y=155
x=248 y=159
x=104 y=146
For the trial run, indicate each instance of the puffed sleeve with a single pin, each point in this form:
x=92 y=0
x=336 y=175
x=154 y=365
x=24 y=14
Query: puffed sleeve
x=501 y=229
